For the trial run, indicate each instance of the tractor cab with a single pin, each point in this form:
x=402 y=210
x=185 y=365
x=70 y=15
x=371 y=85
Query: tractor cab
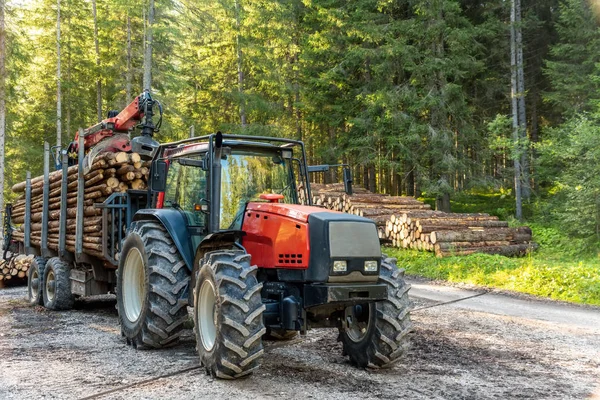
x=212 y=193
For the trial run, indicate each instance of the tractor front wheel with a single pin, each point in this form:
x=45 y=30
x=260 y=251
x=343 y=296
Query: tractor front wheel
x=375 y=335
x=228 y=315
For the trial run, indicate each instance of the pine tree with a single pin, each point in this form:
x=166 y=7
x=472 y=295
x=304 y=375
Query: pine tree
x=571 y=67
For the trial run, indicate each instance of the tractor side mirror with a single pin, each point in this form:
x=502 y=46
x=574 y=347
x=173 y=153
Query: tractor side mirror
x=158 y=181
x=348 y=181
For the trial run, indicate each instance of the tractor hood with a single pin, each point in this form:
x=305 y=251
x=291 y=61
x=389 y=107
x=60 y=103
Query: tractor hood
x=294 y=211
x=311 y=239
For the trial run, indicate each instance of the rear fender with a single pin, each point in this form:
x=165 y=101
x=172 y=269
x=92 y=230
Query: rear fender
x=223 y=240
x=176 y=224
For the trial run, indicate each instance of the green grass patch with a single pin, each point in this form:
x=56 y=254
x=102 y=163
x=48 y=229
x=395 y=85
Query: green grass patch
x=542 y=273
x=563 y=268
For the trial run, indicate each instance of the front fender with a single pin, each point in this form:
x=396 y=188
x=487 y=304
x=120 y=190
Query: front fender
x=176 y=224
x=222 y=240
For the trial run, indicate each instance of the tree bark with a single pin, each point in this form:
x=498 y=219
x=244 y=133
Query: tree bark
x=524 y=148
x=522 y=234
x=508 y=251
x=515 y=112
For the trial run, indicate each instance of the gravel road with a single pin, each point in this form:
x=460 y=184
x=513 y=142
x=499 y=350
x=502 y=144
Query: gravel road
x=493 y=346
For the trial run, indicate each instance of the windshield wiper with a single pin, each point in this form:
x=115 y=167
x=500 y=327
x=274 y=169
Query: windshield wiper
x=289 y=186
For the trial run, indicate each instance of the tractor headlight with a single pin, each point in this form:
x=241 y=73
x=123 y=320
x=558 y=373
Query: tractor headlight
x=370 y=266
x=340 y=266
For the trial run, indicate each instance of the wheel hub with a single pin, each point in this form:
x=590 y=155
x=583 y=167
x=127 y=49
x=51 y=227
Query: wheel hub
x=134 y=285
x=207 y=315
x=50 y=285
x=35 y=285
x=357 y=322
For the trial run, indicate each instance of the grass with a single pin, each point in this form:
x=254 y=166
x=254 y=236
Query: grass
x=562 y=269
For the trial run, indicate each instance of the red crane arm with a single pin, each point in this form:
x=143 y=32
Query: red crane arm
x=127 y=119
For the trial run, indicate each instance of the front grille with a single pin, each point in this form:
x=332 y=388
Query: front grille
x=352 y=239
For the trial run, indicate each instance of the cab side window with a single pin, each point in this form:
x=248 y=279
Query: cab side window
x=186 y=190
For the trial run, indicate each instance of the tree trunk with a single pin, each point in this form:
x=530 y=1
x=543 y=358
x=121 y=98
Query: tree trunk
x=442 y=203
x=58 y=84
x=128 y=75
x=515 y=112
x=239 y=63
x=148 y=50
x=410 y=181
x=524 y=148
x=2 y=108
x=534 y=137
x=97 y=47
x=372 y=178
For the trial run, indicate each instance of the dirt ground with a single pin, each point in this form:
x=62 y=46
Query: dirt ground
x=457 y=353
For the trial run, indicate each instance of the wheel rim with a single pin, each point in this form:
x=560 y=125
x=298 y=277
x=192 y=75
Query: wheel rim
x=35 y=284
x=357 y=318
x=206 y=315
x=134 y=285
x=50 y=285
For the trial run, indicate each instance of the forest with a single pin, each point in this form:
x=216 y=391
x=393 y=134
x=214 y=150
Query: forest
x=418 y=96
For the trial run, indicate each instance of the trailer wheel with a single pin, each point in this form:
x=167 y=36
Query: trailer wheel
x=152 y=285
x=57 y=285
x=35 y=281
x=377 y=333
x=228 y=315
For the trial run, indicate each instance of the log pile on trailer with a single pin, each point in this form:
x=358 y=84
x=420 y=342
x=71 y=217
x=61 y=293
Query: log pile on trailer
x=109 y=173
x=408 y=223
x=15 y=268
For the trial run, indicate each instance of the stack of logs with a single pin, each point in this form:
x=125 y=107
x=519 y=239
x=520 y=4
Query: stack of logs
x=16 y=268
x=109 y=173
x=408 y=223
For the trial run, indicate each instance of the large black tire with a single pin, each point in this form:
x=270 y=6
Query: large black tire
x=152 y=311
x=387 y=324
x=35 y=279
x=57 y=285
x=228 y=315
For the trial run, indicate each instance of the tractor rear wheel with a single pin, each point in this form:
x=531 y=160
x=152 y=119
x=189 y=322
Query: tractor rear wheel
x=228 y=315
x=35 y=280
x=152 y=284
x=376 y=334
x=57 y=285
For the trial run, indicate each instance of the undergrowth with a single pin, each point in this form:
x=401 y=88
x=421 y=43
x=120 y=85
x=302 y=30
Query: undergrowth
x=563 y=268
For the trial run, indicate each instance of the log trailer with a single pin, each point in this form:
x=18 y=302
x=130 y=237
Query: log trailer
x=220 y=229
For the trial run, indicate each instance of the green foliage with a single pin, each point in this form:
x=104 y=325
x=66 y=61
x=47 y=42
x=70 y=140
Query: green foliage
x=572 y=66
x=571 y=158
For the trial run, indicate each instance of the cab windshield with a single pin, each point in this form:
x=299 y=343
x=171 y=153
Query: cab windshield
x=245 y=175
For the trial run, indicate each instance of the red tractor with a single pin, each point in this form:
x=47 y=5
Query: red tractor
x=221 y=229
x=225 y=233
